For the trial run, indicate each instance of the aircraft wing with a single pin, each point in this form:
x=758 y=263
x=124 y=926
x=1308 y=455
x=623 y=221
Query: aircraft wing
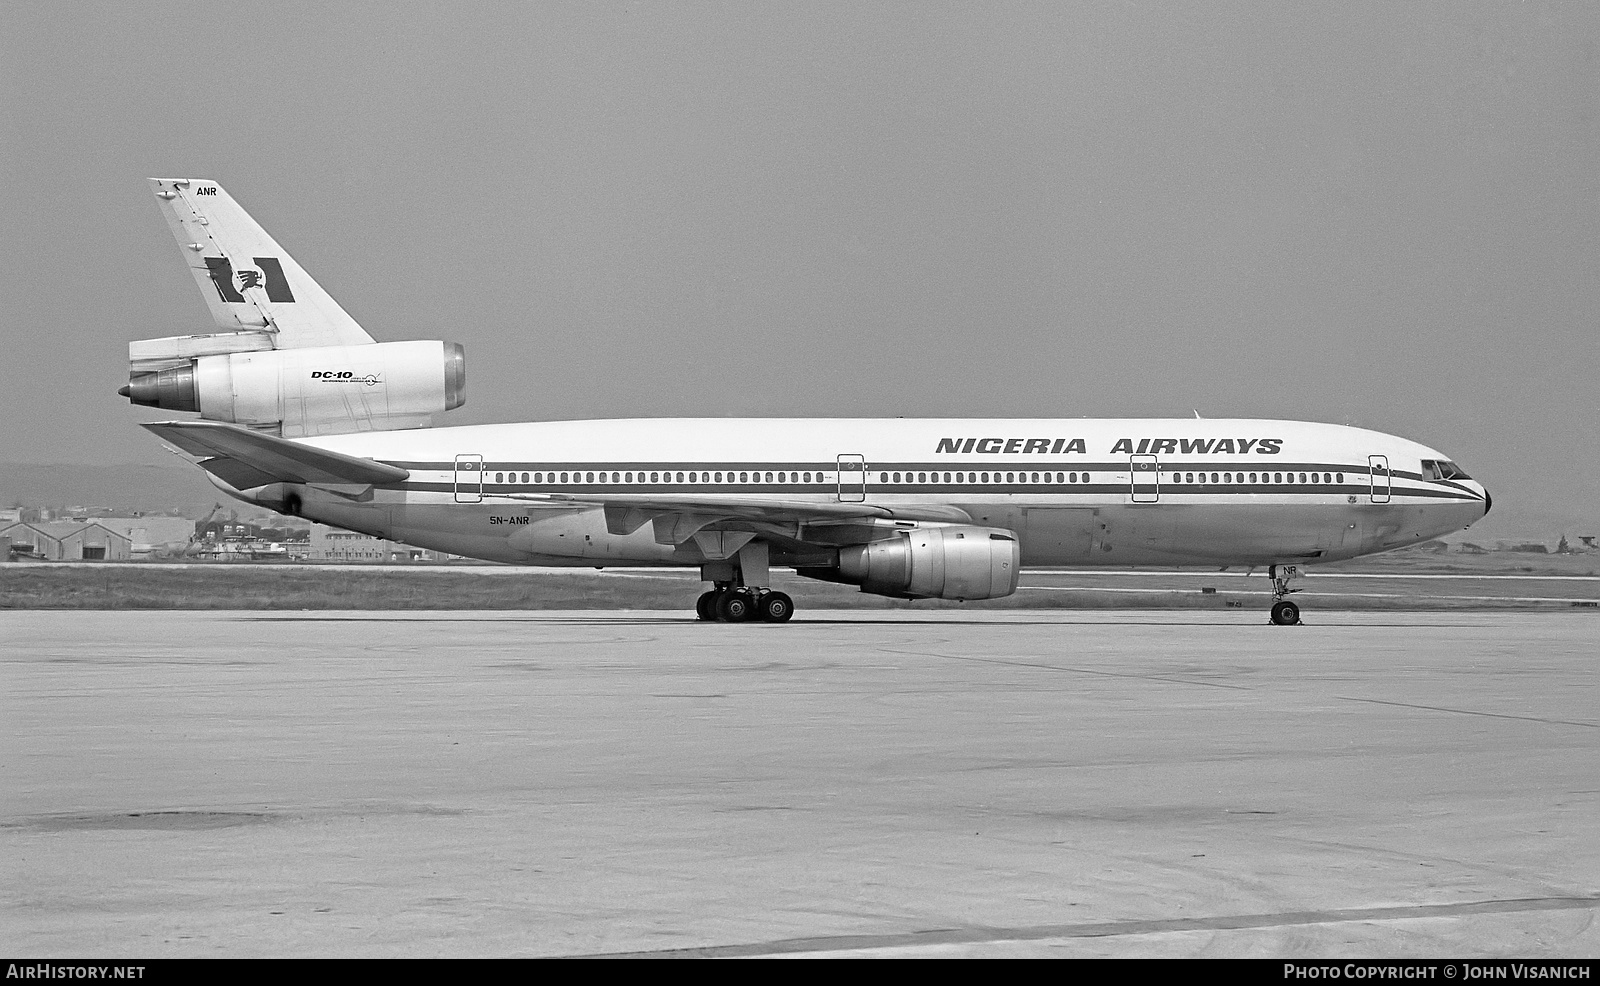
x=245 y=459
x=679 y=517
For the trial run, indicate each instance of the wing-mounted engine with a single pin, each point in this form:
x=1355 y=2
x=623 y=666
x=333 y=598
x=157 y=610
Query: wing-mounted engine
x=330 y=390
x=932 y=562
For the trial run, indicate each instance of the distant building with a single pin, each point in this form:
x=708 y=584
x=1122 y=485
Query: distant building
x=153 y=534
x=70 y=541
x=333 y=544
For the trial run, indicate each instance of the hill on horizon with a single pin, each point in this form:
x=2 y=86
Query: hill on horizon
x=121 y=487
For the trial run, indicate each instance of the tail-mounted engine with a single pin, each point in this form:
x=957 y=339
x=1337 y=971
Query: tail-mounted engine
x=933 y=562
x=332 y=390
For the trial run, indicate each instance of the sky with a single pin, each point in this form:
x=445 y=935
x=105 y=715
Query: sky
x=1379 y=214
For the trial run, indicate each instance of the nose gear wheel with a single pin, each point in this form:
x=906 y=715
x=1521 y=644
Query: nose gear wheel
x=1284 y=613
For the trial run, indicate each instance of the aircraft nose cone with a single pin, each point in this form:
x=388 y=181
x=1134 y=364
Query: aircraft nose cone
x=1488 y=503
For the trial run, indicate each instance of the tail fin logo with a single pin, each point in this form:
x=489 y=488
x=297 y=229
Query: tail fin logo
x=230 y=283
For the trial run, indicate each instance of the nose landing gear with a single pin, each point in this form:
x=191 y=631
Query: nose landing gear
x=1284 y=612
x=728 y=603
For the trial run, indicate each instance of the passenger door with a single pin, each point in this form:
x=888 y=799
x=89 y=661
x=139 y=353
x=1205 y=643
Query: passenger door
x=469 y=479
x=1146 y=479
x=1378 y=469
x=852 y=478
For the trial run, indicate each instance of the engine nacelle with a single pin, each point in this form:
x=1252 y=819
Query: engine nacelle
x=332 y=390
x=935 y=562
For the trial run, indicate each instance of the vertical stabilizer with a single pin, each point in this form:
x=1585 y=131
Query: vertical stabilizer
x=250 y=283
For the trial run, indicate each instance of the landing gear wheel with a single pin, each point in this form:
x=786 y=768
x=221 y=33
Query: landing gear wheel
x=706 y=606
x=1285 y=613
x=735 y=607
x=776 y=607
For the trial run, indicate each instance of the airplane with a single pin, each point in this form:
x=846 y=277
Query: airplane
x=301 y=411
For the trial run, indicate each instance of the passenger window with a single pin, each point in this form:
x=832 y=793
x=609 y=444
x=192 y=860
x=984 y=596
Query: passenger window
x=1339 y=476
x=808 y=477
x=922 y=477
x=655 y=477
x=744 y=477
x=680 y=477
x=1277 y=477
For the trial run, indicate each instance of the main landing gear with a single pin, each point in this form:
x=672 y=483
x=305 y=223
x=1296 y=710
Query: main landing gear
x=729 y=603
x=1284 y=612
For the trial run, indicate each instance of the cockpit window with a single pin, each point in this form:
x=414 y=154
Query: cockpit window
x=1436 y=469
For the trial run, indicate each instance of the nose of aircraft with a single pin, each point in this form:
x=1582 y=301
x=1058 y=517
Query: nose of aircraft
x=1488 y=502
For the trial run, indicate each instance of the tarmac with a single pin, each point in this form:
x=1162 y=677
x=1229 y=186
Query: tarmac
x=852 y=783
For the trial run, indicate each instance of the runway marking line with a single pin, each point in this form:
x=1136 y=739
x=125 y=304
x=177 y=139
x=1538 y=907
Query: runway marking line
x=1472 y=712
x=1108 y=929
x=1067 y=670
x=1154 y=573
x=1319 y=595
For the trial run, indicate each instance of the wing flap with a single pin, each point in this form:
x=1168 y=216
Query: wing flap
x=238 y=455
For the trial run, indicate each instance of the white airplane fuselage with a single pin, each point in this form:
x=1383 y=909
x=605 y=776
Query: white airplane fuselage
x=301 y=410
x=1169 y=492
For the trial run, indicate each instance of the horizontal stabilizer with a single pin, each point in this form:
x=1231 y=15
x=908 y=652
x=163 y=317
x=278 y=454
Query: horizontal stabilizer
x=245 y=459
